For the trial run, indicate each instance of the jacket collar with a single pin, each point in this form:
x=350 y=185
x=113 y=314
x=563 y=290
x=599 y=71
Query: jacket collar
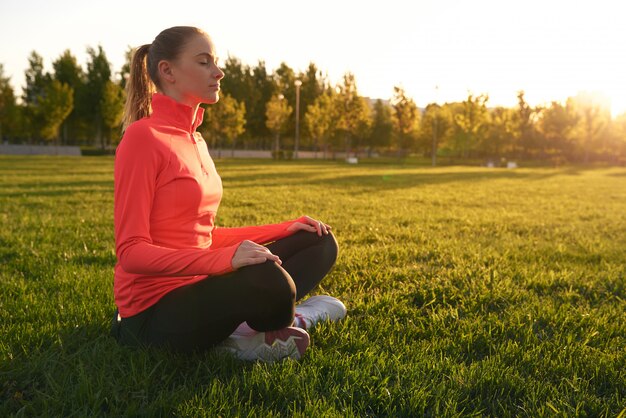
x=175 y=113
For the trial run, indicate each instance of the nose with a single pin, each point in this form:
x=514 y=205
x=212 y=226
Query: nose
x=220 y=74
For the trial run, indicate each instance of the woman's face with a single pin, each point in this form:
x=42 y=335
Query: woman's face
x=195 y=73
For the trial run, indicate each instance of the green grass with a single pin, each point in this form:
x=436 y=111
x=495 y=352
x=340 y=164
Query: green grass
x=470 y=291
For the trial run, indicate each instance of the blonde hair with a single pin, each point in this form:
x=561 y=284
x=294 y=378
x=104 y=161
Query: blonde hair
x=143 y=79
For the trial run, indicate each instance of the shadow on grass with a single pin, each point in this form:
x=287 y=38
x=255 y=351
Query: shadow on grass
x=83 y=368
x=61 y=188
x=381 y=180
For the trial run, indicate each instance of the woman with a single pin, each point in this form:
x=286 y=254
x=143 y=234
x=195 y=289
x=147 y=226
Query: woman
x=181 y=281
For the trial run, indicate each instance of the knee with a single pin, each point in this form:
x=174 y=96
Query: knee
x=274 y=284
x=330 y=246
x=275 y=297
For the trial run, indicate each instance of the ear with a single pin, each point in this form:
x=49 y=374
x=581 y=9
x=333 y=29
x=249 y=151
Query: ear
x=166 y=71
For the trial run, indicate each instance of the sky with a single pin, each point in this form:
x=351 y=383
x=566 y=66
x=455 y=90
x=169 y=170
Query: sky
x=438 y=50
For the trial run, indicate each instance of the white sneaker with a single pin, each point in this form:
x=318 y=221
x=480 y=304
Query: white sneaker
x=270 y=346
x=319 y=308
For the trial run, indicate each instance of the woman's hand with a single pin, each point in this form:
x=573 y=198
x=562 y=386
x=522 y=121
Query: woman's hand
x=250 y=252
x=310 y=224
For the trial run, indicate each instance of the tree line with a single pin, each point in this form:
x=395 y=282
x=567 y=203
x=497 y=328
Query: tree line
x=76 y=106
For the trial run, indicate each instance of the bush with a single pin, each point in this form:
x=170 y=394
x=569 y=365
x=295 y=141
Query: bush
x=89 y=150
x=282 y=154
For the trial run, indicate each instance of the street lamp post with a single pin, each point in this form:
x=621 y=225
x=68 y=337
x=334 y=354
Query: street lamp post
x=435 y=127
x=298 y=83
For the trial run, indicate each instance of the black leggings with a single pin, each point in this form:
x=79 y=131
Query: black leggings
x=202 y=314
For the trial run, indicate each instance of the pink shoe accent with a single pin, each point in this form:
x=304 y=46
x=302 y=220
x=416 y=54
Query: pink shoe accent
x=289 y=335
x=299 y=321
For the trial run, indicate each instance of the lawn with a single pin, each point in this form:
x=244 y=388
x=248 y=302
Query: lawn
x=470 y=291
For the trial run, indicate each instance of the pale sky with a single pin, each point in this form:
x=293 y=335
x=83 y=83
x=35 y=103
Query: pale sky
x=552 y=49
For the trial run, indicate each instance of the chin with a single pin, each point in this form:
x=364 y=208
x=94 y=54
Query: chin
x=214 y=98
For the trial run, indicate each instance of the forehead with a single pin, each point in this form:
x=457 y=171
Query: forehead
x=199 y=45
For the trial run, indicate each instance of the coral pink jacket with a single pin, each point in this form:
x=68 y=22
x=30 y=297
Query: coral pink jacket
x=167 y=192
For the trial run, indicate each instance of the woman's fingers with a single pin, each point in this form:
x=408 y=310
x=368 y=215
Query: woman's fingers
x=250 y=252
x=266 y=254
x=259 y=260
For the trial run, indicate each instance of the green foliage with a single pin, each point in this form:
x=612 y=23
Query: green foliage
x=9 y=111
x=526 y=131
x=499 y=138
x=75 y=127
x=277 y=113
x=97 y=77
x=112 y=107
x=320 y=119
x=594 y=120
x=224 y=121
x=435 y=125
x=406 y=117
x=382 y=125
x=36 y=79
x=478 y=293
x=353 y=115
x=579 y=129
x=52 y=107
x=472 y=122
x=558 y=125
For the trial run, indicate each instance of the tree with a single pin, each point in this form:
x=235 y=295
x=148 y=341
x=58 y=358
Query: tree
x=500 y=132
x=285 y=77
x=382 y=126
x=312 y=87
x=52 y=107
x=618 y=139
x=224 y=121
x=8 y=108
x=406 y=117
x=557 y=126
x=36 y=79
x=263 y=88
x=112 y=106
x=236 y=82
x=435 y=124
x=353 y=112
x=594 y=119
x=125 y=70
x=48 y=101
x=320 y=120
x=277 y=113
x=254 y=87
x=36 y=82
x=98 y=74
x=472 y=121
x=526 y=118
x=67 y=71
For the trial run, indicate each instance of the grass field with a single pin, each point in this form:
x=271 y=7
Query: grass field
x=470 y=291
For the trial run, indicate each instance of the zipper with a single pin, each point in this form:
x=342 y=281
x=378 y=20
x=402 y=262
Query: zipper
x=195 y=146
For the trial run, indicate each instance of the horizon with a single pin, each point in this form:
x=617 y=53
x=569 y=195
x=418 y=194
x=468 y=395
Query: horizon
x=484 y=48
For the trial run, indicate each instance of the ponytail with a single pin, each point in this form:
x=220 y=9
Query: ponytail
x=139 y=88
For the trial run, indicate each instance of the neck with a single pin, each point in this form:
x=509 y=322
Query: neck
x=179 y=97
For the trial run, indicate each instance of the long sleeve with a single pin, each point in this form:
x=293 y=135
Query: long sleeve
x=261 y=234
x=139 y=161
